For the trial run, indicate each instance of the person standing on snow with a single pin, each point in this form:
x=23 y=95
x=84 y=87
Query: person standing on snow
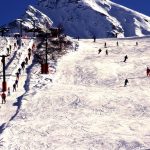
x=29 y=50
x=14 y=87
x=29 y=55
x=8 y=51
x=3 y=98
x=99 y=51
x=16 y=82
x=23 y=65
x=117 y=43
x=15 y=45
x=94 y=38
x=125 y=58
x=148 y=71
x=126 y=82
x=8 y=91
x=19 y=71
x=17 y=75
x=10 y=48
x=26 y=60
x=105 y=45
x=33 y=46
x=106 y=52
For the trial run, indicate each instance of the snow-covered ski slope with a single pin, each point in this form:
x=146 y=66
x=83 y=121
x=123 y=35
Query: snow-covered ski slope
x=86 y=107
x=13 y=63
x=101 y=18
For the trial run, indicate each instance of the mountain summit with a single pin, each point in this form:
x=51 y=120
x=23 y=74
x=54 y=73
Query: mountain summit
x=29 y=18
x=85 y=18
x=101 y=18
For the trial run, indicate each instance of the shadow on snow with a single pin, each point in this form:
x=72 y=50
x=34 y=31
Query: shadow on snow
x=10 y=61
x=26 y=87
x=20 y=98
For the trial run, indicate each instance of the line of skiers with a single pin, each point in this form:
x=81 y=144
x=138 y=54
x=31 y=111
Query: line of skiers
x=3 y=95
x=25 y=62
x=18 y=73
x=15 y=85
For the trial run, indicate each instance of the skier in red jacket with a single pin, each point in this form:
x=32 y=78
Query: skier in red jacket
x=148 y=71
x=3 y=98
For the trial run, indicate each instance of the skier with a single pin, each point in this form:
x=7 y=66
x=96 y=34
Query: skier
x=99 y=51
x=136 y=43
x=29 y=55
x=17 y=75
x=125 y=58
x=148 y=71
x=78 y=38
x=19 y=71
x=23 y=65
x=16 y=82
x=33 y=46
x=19 y=43
x=117 y=43
x=3 y=98
x=8 y=91
x=15 y=45
x=14 y=87
x=29 y=50
x=8 y=51
x=10 y=47
x=94 y=38
x=105 y=45
x=106 y=52
x=125 y=82
x=26 y=60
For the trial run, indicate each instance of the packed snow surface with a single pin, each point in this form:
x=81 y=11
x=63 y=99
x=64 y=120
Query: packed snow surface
x=86 y=107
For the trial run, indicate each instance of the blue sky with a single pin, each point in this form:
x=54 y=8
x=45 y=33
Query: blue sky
x=12 y=9
x=138 y=5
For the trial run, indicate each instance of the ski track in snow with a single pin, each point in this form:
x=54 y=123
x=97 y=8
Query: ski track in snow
x=86 y=107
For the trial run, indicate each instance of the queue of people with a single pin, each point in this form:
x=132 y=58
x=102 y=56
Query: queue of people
x=18 y=73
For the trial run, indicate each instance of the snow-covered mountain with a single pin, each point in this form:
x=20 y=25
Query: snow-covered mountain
x=85 y=18
x=102 y=18
x=30 y=16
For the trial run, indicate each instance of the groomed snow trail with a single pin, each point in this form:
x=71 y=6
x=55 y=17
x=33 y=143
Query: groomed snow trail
x=87 y=106
x=13 y=63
